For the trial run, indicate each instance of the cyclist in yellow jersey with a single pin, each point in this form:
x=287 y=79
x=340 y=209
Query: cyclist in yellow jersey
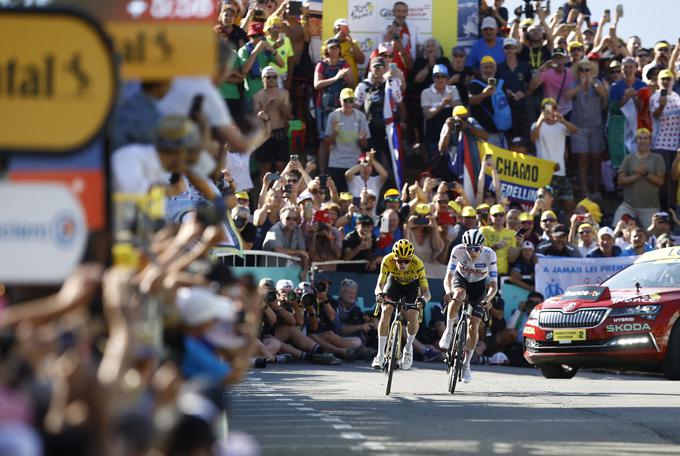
x=401 y=274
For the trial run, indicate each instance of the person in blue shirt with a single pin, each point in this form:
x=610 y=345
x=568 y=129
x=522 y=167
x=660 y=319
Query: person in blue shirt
x=638 y=243
x=489 y=44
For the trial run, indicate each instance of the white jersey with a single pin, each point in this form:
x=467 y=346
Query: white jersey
x=473 y=271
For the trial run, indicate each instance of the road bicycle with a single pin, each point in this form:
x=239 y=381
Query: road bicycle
x=392 y=350
x=455 y=355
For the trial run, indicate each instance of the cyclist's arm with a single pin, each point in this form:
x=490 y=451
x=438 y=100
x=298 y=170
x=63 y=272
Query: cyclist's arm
x=448 y=281
x=382 y=278
x=424 y=286
x=425 y=293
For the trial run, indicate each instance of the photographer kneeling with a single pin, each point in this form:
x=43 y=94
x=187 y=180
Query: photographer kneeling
x=290 y=318
x=320 y=321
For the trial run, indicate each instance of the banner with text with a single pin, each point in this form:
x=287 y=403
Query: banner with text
x=520 y=174
x=556 y=274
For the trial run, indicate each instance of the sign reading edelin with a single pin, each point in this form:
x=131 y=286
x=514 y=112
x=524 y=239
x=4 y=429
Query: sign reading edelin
x=57 y=81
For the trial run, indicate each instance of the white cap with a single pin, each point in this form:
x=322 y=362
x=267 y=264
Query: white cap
x=269 y=70
x=304 y=196
x=198 y=305
x=527 y=245
x=340 y=23
x=489 y=22
x=284 y=284
x=371 y=192
x=499 y=358
x=385 y=47
x=605 y=230
x=510 y=42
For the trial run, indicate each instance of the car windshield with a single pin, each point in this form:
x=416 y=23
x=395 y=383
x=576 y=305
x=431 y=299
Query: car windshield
x=661 y=275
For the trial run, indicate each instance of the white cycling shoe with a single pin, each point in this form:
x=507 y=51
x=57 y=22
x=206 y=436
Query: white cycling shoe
x=378 y=362
x=406 y=359
x=445 y=341
x=467 y=376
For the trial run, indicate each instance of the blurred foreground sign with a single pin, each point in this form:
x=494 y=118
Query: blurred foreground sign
x=42 y=233
x=57 y=81
x=154 y=39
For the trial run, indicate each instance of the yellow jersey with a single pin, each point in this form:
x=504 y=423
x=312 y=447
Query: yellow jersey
x=414 y=272
x=493 y=237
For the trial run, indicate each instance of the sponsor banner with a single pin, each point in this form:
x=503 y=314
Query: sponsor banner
x=555 y=274
x=521 y=175
x=58 y=81
x=375 y=15
x=468 y=22
x=43 y=233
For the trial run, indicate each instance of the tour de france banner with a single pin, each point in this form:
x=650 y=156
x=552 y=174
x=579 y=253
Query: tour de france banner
x=556 y=274
x=521 y=175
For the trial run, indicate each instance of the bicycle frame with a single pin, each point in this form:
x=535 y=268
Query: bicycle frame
x=455 y=355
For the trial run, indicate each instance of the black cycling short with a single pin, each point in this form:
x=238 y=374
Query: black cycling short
x=395 y=290
x=475 y=292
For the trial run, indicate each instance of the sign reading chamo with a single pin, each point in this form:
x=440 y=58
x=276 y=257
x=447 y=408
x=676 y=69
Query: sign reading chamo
x=57 y=81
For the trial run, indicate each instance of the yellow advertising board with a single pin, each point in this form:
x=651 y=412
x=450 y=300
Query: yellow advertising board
x=57 y=81
x=163 y=50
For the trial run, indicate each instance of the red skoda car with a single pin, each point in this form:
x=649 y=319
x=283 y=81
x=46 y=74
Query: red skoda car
x=630 y=320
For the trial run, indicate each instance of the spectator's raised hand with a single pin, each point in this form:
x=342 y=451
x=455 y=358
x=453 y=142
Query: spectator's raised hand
x=310 y=167
x=341 y=73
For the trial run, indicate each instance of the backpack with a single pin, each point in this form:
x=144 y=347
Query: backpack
x=502 y=115
x=374 y=104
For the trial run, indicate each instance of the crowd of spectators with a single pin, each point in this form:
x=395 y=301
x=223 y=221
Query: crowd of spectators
x=142 y=366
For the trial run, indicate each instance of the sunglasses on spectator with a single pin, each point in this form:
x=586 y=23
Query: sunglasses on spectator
x=292 y=219
x=470 y=217
x=440 y=76
x=663 y=49
x=348 y=100
x=386 y=55
x=292 y=181
x=549 y=220
x=498 y=214
x=527 y=222
x=392 y=199
x=473 y=248
x=585 y=232
x=584 y=70
x=459 y=56
x=576 y=49
x=271 y=77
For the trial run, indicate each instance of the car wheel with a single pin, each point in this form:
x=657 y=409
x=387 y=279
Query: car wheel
x=558 y=371
x=671 y=364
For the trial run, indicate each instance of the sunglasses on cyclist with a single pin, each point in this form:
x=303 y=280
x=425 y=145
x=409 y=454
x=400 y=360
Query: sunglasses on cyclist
x=403 y=262
x=473 y=248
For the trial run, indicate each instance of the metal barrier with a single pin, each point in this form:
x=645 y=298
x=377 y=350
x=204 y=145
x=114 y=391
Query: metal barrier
x=256 y=258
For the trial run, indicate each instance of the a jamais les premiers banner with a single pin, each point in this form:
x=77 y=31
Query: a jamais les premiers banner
x=521 y=175
x=42 y=232
x=556 y=274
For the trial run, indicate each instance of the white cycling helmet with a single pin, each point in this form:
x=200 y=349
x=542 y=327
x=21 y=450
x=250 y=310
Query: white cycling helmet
x=473 y=237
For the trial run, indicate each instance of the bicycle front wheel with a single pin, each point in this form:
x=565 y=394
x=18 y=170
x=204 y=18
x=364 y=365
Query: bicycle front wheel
x=392 y=353
x=458 y=355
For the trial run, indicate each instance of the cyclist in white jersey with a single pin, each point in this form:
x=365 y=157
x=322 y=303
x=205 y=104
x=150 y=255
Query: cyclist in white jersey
x=471 y=272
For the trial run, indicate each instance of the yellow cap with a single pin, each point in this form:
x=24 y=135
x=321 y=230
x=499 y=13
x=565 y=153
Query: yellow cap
x=661 y=45
x=469 y=211
x=526 y=217
x=497 y=209
x=391 y=192
x=483 y=206
x=347 y=92
x=642 y=130
x=272 y=21
x=526 y=23
x=665 y=74
x=423 y=209
x=455 y=206
x=460 y=111
x=487 y=59
x=346 y=196
x=574 y=44
x=585 y=225
x=592 y=208
x=545 y=101
x=242 y=195
x=548 y=214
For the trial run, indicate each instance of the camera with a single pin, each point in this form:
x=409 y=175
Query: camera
x=528 y=10
x=291 y=296
x=321 y=287
x=323 y=181
x=309 y=300
x=270 y=296
x=421 y=220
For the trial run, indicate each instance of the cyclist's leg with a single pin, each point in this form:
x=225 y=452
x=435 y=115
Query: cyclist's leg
x=477 y=291
x=412 y=315
x=459 y=293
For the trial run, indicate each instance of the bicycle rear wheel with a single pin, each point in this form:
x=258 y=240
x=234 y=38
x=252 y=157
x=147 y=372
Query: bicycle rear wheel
x=392 y=353
x=459 y=342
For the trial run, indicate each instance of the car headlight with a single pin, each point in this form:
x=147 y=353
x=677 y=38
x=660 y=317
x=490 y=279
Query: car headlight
x=534 y=314
x=648 y=311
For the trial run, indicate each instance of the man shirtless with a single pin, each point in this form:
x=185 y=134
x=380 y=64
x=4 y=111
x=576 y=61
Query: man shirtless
x=274 y=101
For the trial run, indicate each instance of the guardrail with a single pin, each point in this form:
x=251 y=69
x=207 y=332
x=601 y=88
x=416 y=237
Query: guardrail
x=256 y=258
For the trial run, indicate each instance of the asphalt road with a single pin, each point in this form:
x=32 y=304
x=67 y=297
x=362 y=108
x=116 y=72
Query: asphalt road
x=301 y=409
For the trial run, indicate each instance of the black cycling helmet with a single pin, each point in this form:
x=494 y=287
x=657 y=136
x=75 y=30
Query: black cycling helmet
x=473 y=237
x=403 y=249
